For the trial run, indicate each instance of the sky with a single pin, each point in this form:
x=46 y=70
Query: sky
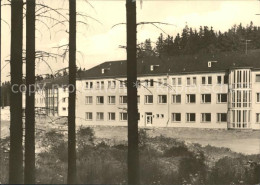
x=98 y=41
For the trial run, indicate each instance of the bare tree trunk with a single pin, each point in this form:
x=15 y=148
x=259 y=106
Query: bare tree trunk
x=72 y=94
x=16 y=125
x=132 y=109
x=29 y=170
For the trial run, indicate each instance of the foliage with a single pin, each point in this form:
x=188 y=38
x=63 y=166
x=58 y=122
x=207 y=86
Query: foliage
x=176 y=151
x=162 y=161
x=205 y=40
x=143 y=138
x=235 y=171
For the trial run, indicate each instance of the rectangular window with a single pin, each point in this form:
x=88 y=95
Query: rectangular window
x=257 y=78
x=63 y=100
x=122 y=84
x=188 y=81
x=113 y=85
x=98 y=85
x=194 y=80
x=102 y=84
x=221 y=117
x=209 y=80
x=258 y=97
x=146 y=83
x=206 y=81
x=226 y=79
x=89 y=116
x=179 y=81
x=88 y=100
x=176 y=117
x=151 y=82
x=176 y=98
x=64 y=109
x=89 y=85
x=111 y=99
x=190 y=117
x=219 y=79
x=109 y=84
x=257 y=117
x=100 y=99
x=191 y=98
x=203 y=80
x=123 y=116
x=205 y=117
x=138 y=99
x=123 y=99
x=174 y=81
x=162 y=99
x=148 y=99
x=222 y=98
x=100 y=116
x=111 y=116
x=206 y=98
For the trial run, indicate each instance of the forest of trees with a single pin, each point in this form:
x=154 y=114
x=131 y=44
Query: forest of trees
x=205 y=40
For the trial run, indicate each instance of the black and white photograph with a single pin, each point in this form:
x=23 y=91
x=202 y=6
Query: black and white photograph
x=138 y=92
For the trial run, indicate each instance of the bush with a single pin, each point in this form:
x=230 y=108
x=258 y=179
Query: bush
x=85 y=136
x=177 y=151
x=143 y=138
x=234 y=171
x=192 y=169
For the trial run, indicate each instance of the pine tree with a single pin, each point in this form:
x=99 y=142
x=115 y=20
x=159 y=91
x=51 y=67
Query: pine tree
x=16 y=124
x=132 y=109
x=159 y=48
x=29 y=170
x=72 y=175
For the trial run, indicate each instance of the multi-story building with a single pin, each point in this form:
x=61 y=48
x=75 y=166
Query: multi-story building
x=51 y=97
x=221 y=91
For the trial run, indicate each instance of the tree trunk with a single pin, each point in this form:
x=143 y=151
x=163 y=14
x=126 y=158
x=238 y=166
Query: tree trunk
x=132 y=110
x=29 y=170
x=16 y=124
x=72 y=94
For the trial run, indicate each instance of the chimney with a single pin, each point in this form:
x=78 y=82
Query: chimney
x=209 y=64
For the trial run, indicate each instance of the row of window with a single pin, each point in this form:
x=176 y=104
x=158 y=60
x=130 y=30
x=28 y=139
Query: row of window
x=177 y=81
x=162 y=99
x=205 y=117
x=175 y=117
x=111 y=116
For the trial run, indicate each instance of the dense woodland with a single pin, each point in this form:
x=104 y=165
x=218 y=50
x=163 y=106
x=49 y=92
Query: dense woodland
x=205 y=40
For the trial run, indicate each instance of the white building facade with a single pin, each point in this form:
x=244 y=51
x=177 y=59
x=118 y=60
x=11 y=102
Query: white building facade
x=217 y=94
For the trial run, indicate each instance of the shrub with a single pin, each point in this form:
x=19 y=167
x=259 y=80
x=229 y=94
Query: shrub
x=234 y=171
x=176 y=151
x=85 y=136
x=143 y=138
x=193 y=169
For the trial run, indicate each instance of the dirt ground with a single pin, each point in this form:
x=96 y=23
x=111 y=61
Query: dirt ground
x=242 y=141
x=246 y=142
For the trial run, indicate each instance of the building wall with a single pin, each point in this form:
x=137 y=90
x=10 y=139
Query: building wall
x=161 y=113
x=63 y=101
x=255 y=105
